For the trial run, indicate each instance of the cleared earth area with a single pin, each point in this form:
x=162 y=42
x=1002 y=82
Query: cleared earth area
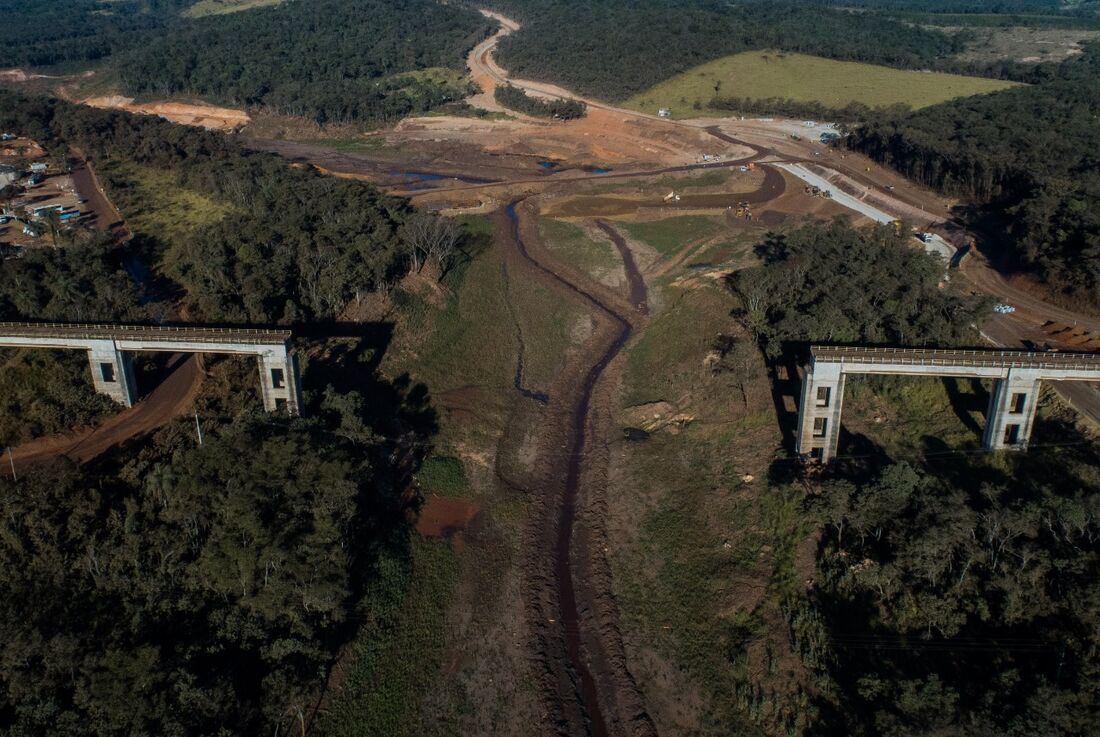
x=221 y=7
x=761 y=75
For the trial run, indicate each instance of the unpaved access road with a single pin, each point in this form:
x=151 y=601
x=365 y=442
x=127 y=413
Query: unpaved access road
x=168 y=401
x=107 y=216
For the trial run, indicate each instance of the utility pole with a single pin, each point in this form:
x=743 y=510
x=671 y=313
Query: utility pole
x=198 y=428
x=11 y=460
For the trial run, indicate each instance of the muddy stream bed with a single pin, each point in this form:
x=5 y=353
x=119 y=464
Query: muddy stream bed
x=579 y=688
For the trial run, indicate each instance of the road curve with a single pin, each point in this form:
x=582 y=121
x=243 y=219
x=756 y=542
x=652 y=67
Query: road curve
x=169 y=400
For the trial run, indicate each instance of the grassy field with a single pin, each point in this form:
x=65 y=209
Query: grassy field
x=572 y=245
x=433 y=658
x=708 y=559
x=771 y=74
x=155 y=204
x=671 y=234
x=398 y=648
x=907 y=416
x=221 y=7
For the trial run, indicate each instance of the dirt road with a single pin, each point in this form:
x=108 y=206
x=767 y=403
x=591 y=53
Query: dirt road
x=1030 y=309
x=107 y=216
x=169 y=400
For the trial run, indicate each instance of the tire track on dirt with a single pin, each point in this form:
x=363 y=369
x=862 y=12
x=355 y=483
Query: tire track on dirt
x=587 y=686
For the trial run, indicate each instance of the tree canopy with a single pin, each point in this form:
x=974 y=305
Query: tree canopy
x=1028 y=153
x=195 y=590
x=299 y=245
x=838 y=284
x=958 y=600
x=612 y=49
x=328 y=60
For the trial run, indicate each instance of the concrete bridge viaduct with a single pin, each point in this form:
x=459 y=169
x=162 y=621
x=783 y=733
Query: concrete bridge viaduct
x=109 y=346
x=1016 y=376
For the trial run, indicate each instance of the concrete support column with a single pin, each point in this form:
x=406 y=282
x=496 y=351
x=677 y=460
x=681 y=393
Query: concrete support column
x=1011 y=413
x=280 y=382
x=112 y=372
x=819 y=411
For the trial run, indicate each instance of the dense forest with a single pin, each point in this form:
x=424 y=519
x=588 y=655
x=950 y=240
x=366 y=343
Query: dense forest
x=611 y=50
x=180 y=587
x=517 y=99
x=836 y=284
x=196 y=589
x=298 y=247
x=40 y=33
x=1029 y=153
x=954 y=593
x=329 y=60
x=958 y=597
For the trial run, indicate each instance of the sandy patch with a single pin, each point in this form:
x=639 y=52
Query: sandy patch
x=194 y=114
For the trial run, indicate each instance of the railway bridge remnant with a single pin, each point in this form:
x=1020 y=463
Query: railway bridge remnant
x=109 y=348
x=1016 y=377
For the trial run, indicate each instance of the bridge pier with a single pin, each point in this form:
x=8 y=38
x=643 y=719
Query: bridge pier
x=1017 y=377
x=1012 y=404
x=112 y=372
x=109 y=349
x=819 y=411
x=280 y=382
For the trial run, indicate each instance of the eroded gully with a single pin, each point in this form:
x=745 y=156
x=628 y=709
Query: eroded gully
x=580 y=685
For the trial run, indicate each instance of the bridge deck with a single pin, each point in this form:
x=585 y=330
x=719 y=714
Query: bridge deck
x=189 y=334
x=948 y=357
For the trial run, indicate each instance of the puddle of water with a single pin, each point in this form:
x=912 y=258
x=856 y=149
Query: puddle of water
x=427 y=176
x=548 y=164
x=595 y=169
x=420 y=176
x=700 y=265
x=635 y=434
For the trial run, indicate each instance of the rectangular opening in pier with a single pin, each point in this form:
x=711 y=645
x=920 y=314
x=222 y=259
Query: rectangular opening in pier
x=1019 y=400
x=107 y=371
x=824 y=394
x=1012 y=434
x=820 y=424
x=277 y=378
x=280 y=405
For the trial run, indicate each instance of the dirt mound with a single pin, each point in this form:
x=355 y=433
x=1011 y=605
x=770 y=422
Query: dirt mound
x=654 y=416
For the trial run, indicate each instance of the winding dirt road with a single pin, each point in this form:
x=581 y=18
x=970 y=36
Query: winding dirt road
x=169 y=400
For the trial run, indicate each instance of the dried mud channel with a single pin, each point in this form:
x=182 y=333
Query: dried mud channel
x=587 y=687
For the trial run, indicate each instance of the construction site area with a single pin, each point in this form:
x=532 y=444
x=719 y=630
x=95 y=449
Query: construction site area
x=40 y=200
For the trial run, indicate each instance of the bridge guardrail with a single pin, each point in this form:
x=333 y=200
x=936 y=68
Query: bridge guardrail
x=197 y=333
x=956 y=357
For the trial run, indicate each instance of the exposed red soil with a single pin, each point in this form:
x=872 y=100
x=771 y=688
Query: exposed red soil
x=446 y=517
x=171 y=399
x=199 y=115
x=107 y=216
